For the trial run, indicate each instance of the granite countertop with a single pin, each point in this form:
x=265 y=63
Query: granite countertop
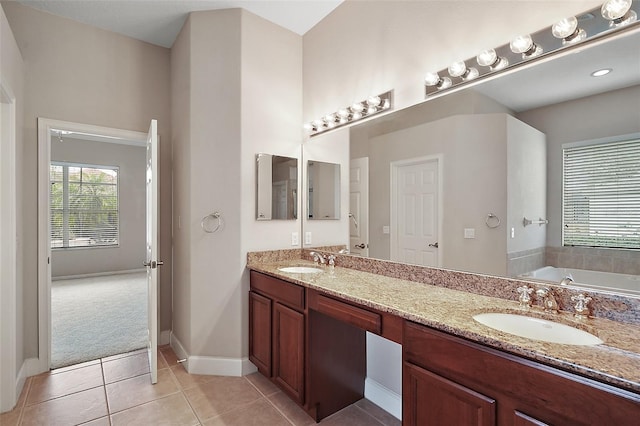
x=616 y=361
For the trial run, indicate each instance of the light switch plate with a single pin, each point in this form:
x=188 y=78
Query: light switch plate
x=385 y=229
x=469 y=233
x=295 y=239
x=307 y=237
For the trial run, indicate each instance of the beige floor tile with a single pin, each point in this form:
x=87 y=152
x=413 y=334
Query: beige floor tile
x=171 y=410
x=378 y=413
x=123 y=355
x=161 y=361
x=11 y=418
x=125 y=368
x=220 y=395
x=350 y=416
x=138 y=390
x=290 y=409
x=186 y=380
x=68 y=410
x=102 y=421
x=75 y=366
x=169 y=356
x=264 y=385
x=258 y=413
x=48 y=386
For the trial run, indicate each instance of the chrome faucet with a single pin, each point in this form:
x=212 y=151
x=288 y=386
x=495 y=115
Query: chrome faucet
x=524 y=296
x=581 y=306
x=549 y=302
x=318 y=258
x=566 y=280
x=331 y=260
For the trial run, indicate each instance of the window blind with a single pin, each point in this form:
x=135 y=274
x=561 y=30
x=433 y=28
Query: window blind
x=84 y=205
x=601 y=195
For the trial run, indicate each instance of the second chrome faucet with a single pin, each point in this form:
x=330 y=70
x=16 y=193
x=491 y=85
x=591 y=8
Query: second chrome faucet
x=549 y=302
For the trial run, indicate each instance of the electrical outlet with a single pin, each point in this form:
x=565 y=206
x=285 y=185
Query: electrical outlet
x=295 y=239
x=307 y=237
x=385 y=229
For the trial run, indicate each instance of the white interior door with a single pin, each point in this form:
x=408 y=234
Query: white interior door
x=359 y=206
x=415 y=197
x=152 y=263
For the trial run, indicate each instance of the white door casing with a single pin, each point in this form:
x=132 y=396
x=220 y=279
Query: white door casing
x=45 y=127
x=416 y=211
x=359 y=206
x=152 y=263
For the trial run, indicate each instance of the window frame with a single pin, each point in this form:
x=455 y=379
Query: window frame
x=69 y=164
x=628 y=138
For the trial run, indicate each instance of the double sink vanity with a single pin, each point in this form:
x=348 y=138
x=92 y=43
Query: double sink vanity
x=307 y=334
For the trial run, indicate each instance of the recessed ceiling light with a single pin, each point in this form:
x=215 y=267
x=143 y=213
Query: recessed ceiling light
x=601 y=72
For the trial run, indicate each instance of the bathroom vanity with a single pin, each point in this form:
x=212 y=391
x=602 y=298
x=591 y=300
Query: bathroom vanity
x=307 y=334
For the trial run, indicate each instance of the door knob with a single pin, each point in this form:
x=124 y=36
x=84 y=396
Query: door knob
x=361 y=246
x=434 y=245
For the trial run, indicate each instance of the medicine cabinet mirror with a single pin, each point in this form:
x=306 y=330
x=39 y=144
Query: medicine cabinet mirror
x=277 y=187
x=323 y=186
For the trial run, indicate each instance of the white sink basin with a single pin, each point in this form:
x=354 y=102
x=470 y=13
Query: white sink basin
x=537 y=329
x=300 y=270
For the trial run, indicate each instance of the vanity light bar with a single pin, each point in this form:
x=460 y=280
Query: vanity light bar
x=357 y=111
x=612 y=16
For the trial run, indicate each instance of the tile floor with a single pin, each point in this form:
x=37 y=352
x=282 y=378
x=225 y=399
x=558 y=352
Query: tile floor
x=117 y=391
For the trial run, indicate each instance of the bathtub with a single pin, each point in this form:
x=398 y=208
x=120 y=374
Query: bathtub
x=596 y=280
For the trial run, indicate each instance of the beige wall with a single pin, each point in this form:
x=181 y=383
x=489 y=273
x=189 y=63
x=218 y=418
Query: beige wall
x=11 y=75
x=594 y=117
x=242 y=87
x=82 y=74
x=131 y=250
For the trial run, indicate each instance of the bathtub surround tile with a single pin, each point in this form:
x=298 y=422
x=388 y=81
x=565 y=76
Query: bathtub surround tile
x=79 y=407
x=48 y=386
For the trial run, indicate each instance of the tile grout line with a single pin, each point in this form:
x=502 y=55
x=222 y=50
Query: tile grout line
x=269 y=401
x=370 y=415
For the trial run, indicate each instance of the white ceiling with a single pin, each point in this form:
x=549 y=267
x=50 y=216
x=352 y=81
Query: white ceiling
x=159 y=21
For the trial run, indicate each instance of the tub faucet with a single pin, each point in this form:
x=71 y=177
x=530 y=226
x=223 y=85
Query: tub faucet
x=549 y=301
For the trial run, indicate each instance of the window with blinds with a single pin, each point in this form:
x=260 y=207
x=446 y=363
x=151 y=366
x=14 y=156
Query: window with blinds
x=84 y=205
x=601 y=195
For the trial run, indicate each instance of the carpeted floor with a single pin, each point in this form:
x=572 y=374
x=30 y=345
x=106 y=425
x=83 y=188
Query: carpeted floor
x=96 y=317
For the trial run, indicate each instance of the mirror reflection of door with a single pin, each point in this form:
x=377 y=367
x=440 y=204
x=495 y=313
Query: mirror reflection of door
x=415 y=200
x=359 y=206
x=277 y=187
x=323 y=186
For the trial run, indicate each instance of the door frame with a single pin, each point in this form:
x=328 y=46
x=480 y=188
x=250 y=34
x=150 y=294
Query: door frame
x=395 y=165
x=45 y=125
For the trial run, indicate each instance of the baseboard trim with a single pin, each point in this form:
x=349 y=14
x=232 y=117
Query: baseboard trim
x=383 y=397
x=165 y=337
x=98 y=274
x=210 y=365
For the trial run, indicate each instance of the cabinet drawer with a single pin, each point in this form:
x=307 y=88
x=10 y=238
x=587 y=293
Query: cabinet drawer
x=353 y=315
x=288 y=294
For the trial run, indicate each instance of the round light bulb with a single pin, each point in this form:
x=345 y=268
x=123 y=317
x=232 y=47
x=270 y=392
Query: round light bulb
x=343 y=113
x=486 y=58
x=308 y=127
x=330 y=118
x=357 y=115
x=615 y=9
x=374 y=101
x=445 y=83
x=357 y=107
x=343 y=120
x=521 y=44
x=565 y=27
x=386 y=104
x=431 y=79
x=318 y=123
x=371 y=109
x=457 y=69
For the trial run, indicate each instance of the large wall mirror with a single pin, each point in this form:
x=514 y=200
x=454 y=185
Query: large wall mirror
x=276 y=187
x=473 y=180
x=323 y=186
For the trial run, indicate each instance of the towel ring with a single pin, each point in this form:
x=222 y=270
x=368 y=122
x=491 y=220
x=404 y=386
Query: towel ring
x=492 y=221
x=205 y=220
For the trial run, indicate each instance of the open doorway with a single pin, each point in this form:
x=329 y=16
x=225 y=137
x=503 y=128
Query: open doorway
x=96 y=291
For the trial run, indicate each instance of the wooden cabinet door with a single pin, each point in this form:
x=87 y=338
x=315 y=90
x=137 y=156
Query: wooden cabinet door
x=260 y=332
x=288 y=350
x=430 y=399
